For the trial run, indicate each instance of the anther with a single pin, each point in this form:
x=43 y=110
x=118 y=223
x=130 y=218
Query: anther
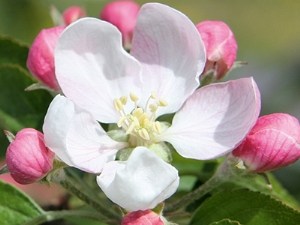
x=157 y=127
x=118 y=105
x=162 y=103
x=153 y=107
x=153 y=95
x=144 y=134
x=123 y=99
x=133 y=97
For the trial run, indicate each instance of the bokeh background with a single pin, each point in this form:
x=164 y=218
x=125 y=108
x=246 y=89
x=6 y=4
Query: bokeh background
x=267 y=32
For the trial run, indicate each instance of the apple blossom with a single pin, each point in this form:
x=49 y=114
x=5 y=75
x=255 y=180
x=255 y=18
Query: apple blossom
x=146 y=217
x=40 y=59
x=27 y=158
x=122 y=14
x=220 y=45
x=72 y=14
x=103 y=83
x=272 y=143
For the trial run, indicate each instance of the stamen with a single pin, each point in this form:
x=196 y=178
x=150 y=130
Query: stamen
x=123 y=99
x=144 y=134
x=153 y=95
x=118 y=105
x=153 y=107
x=134 y=98
x=157 y=127
x=162 y=103
x=138 y=112
x=131 y=127
x=140 y=122
x=121 y=121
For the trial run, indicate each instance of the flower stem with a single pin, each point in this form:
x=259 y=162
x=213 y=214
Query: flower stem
x=222 y=175
x=56 y=215
x=60 y=177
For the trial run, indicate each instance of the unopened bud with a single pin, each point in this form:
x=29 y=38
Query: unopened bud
x=40 y=59
x=221 y=47
x=72 y=14
x=27 y=158
x=272 y=143
x=122 y=14
x=146 y=217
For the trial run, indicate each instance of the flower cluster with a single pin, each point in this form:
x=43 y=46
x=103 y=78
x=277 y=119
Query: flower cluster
x=132 y=69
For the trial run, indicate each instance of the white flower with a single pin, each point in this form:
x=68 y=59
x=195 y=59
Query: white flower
x=103 y=83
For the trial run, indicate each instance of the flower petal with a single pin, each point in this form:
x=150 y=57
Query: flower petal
x=138 y=184
x=215 y=119
x=93 y=69
x=172 y=54
x=76 y=138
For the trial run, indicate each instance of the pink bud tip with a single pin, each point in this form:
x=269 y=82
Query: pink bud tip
x=122 y=14
x=272 y=143
x=40 y=59
x=146 y=217
x=221 y=47
x=72 y=14
x=27 y=157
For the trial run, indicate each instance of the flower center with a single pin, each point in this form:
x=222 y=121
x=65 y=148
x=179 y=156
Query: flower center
x=140 y=123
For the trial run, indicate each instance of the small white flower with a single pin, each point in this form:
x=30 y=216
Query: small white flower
x=103 y=83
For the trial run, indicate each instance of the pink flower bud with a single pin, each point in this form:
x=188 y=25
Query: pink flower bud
x=72 y=14
x=122 y=14
x=40 y=59
x=27 y=157
x=221 y=47
x=272 y=143
x=146 y=217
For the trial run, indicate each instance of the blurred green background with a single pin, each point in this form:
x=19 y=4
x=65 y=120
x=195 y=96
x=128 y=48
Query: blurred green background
x=267 y=32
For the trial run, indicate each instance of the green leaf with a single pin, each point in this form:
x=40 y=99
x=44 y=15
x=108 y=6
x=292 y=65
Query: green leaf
x=15 y=207
x=256 y=182
x=247 y=207
x=12 y=52
x=19 y=109
x=226 y=222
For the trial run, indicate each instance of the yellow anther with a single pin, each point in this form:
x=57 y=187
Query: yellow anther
x=153 y=95
x=146 y=122
x=153 y=107
x=144 y=134
x=135 y=121
x=121 y=121
x=157 y=127
x=123 y=99
x=138 y=112
x=162 y=103
x=118 y=105
x=133 y=97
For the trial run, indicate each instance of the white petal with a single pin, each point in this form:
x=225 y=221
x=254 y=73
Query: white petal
x=93 y=69
x=140 y=183
x=172 y=54
x=215 y=119
x=76 y=138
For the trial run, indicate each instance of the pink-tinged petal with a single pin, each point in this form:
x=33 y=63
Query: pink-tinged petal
x=138 y=184
x=272 y=143
x=172 y=54
x=77 y=138
x=215 y=119
x=93 y=69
